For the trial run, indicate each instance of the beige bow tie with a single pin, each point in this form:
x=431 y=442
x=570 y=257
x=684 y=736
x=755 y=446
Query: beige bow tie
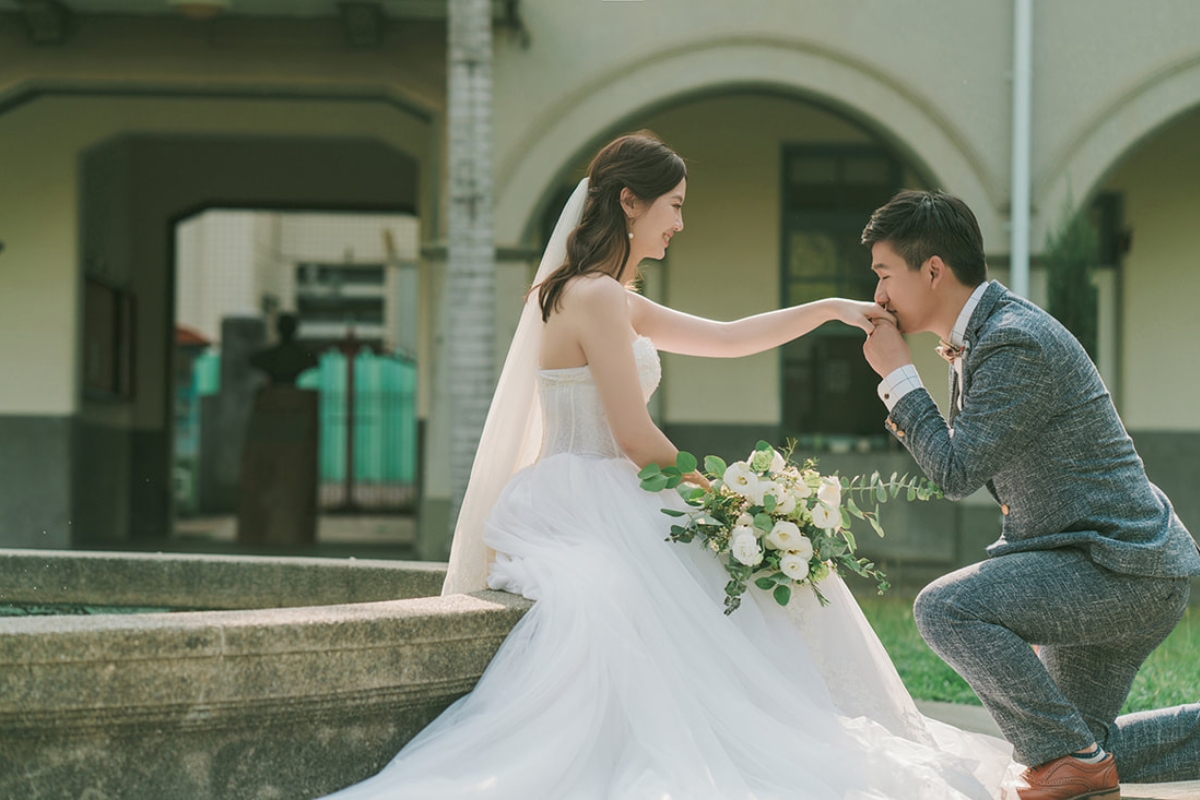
x=950 y=352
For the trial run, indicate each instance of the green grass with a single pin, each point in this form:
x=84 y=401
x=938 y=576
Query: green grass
x=1169 y=677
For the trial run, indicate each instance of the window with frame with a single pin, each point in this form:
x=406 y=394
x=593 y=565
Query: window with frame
x=828 y=194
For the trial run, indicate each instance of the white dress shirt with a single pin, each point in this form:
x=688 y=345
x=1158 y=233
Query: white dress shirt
x=903 y=380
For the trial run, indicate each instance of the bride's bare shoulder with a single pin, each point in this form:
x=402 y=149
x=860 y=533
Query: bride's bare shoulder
x=593 y=293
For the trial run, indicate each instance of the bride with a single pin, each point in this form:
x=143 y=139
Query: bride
x=625 y=680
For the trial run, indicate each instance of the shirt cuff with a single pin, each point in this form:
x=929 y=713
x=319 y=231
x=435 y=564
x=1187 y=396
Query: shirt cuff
x=899 y=383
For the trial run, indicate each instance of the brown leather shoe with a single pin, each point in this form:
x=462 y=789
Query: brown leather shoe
x=1068 y=778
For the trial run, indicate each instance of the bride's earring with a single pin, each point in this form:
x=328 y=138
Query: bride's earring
x=631 y=234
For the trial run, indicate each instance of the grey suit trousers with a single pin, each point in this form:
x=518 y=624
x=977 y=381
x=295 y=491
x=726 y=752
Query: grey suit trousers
x=1095 y=628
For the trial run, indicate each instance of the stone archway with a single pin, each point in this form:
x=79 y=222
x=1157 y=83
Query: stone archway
x=153 y=181
x=1111 y=135
x=900 y=114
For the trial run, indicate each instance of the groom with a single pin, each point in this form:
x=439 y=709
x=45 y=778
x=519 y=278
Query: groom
x=1092 y=563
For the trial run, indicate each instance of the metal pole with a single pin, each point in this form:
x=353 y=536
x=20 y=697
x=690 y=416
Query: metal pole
x=351 y=350
x=1022 y=121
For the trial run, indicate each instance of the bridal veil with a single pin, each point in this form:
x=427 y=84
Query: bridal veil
x=512 y=433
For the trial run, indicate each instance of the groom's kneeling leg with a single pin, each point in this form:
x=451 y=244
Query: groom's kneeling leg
x=1158 y=745
x=955 y=616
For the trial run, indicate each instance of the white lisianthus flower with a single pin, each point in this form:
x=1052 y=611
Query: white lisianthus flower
x=830 y=492
x=794 y=566
x=802 y=490
x=777 y=462
x=746 y=550
x=784 y=535
x=785 y=503
x=802 y=546
x=825 y=517
x=744 y=519
x=742 y=530
x=740 y=478
x=765 y=487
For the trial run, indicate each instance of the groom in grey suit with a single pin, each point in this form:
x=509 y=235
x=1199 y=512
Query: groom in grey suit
x=1092 y=563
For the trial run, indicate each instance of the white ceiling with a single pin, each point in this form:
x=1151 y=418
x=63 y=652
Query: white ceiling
x=409 y=9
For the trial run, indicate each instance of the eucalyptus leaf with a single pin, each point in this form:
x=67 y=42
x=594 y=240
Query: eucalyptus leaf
x=782 y=594
x=673 y=512
x=649 y=471
x=853 y=508
x=685 y=462
x=714 y=465
x=764 y=583
x=655 y=483
x=763 y=522
x=850 y=540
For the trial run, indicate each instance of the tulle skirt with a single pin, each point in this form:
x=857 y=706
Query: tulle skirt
x=626 y=680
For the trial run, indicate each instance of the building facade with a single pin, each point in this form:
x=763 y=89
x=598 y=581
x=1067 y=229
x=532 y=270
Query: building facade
x=118 y=118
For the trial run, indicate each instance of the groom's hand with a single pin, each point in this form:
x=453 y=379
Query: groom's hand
x=885 y=348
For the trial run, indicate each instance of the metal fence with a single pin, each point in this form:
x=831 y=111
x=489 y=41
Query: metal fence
x=371 y=428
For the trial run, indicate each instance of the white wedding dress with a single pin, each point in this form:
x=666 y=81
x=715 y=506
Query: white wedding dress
x=625 y=681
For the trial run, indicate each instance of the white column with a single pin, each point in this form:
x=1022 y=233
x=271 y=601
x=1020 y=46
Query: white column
x=468 y=305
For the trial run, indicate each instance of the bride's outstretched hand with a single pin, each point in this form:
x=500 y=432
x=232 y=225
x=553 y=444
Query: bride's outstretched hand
x=861 y=314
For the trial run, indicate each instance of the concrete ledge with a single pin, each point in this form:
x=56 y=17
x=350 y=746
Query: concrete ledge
x=264 y=703
x=208 y=581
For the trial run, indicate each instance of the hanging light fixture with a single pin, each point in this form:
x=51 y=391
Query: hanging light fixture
x=200 y=9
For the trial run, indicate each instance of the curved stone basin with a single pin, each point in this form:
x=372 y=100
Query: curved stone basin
x=326 y=669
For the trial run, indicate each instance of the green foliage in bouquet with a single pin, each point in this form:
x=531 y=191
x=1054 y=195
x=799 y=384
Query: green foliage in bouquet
x=778 y=524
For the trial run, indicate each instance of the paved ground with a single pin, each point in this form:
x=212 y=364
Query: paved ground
x=974 y=718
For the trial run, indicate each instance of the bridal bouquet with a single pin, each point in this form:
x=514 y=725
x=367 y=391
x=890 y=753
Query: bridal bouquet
x=777 y=523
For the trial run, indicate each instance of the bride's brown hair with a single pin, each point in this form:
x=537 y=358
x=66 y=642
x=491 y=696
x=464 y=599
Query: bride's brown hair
x=600 y=244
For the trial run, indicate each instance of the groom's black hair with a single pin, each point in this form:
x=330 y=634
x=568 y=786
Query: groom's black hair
x=919 y=225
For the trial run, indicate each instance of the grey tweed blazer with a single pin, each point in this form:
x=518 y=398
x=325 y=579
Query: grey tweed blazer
x=1039 y=429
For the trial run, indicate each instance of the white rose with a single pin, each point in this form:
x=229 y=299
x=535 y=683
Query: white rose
x=830 y=492
x=825 y=517
x=801 y=546
x=794 y=566
x=744 y=519
x=740 y=478
x=746 y=550
x=783 y=535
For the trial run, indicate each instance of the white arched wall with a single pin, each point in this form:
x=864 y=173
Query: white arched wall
x=535 y=162
x=40 y=198
x=1103 y=141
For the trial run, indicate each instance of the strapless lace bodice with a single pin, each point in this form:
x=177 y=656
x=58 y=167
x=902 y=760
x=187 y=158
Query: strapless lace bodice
x=574 y=420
